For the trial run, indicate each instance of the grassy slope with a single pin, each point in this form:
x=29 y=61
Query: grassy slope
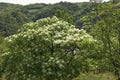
x=91 y=76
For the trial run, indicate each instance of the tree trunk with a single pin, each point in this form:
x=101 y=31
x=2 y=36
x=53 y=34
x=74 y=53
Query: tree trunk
x=116 y=71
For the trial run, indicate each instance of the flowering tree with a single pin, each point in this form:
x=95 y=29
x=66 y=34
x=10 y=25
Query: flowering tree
x=45 y=50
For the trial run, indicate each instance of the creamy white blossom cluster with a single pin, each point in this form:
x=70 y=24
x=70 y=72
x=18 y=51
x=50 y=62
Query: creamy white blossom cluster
x=47 y=31
x=44 y=37
x=39 y=38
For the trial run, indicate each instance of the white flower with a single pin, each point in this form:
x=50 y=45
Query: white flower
x=7 y=53
x=57 y=62
x=9 y=40
x=58 y=41
x=24 y=35
x=60 y=66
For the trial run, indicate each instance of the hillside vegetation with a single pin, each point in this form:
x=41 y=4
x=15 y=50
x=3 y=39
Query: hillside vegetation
x=12 y=16
x=62 y=41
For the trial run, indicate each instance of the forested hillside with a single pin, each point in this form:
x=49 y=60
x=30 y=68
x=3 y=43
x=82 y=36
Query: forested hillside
x=12 y=16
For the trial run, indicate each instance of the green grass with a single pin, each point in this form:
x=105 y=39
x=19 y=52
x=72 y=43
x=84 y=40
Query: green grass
x=91 y=76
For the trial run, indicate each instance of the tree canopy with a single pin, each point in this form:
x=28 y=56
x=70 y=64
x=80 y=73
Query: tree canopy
x=44 y=47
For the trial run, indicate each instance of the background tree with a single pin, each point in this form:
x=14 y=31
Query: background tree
x=106 y=31
x=63 y=15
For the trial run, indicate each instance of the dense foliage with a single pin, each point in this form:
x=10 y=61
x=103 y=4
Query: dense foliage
x=47 y=49
x=106 y=29
x=12 y=16
x=77 y=13
x=53 y=48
